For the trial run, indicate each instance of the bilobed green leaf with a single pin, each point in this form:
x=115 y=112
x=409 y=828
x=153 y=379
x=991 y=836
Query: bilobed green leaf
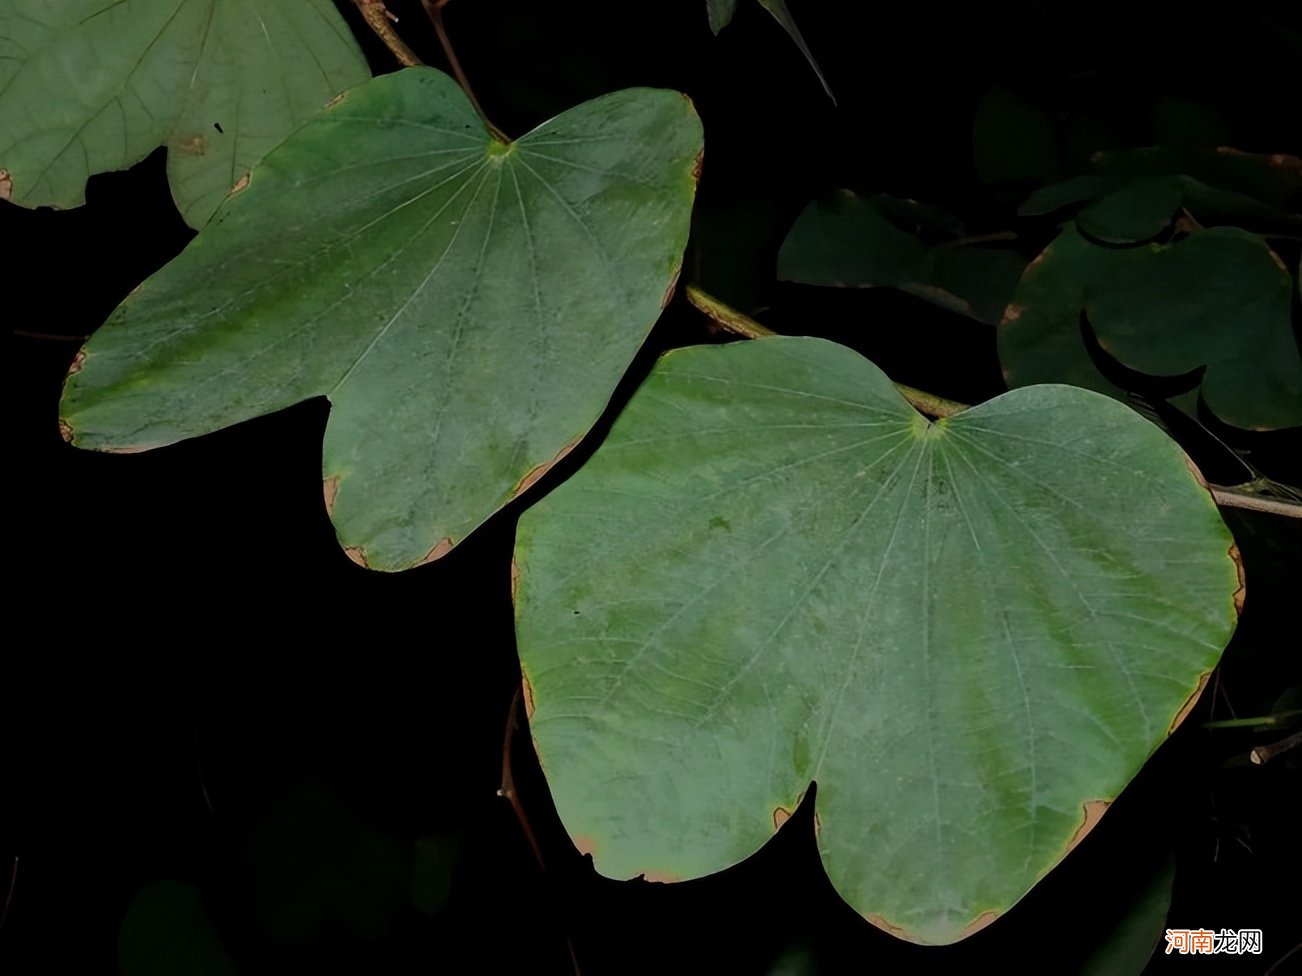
x=88 y=86
x=1040 y=338
x=466 y=305
x=1218 y=298
x=970 y=633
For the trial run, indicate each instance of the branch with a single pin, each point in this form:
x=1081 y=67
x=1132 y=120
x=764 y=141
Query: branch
x=1264 y=754
x=375 y=13
x=1237 y=497
x=730 y=320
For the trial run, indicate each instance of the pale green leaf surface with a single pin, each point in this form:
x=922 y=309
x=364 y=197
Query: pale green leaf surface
x=467 y=306
x=88 y=86
x=774 y=571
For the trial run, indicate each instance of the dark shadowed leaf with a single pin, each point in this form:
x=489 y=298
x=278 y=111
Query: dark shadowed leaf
x=168 y=931
x=1040 y=338
x=983 y=278
x=1078 y=189
x=1220 y=299
x=1144 y=903
x=1136 y=212
x=88 y=86
x=851 y=241
x=1014 y=140
x=845 y=240
x=774 y=571
x=466 y=305
x=720 y=13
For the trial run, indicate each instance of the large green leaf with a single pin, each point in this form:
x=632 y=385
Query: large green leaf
x=466 y=305
x=88 y=86
x=971 y=633
x=1218 y=298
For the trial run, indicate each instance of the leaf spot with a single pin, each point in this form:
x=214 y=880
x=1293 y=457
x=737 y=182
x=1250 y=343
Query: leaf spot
x=191 y=145
x=330 y=488
x=978 y=923
x=441 y=549
x=537 y=471
x=6 y=185
x=1190 y=702
x=356 y=554
x=527 y=692
x=240 y=184
x=1093 y=813
x=1243 y=581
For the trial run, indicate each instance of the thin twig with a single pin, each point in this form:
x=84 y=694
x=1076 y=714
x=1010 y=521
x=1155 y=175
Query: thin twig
x=198 y=762
x=725 y=316
x=507 y=790
x=13 y=880
x=435 y=10
x=1252 y=721
x=738 y=323
x=1284 y=958
x=377 y=15
x=1001 y=235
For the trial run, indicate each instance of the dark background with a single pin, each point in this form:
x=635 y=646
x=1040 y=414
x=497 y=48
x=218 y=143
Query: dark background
x=198 y=685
